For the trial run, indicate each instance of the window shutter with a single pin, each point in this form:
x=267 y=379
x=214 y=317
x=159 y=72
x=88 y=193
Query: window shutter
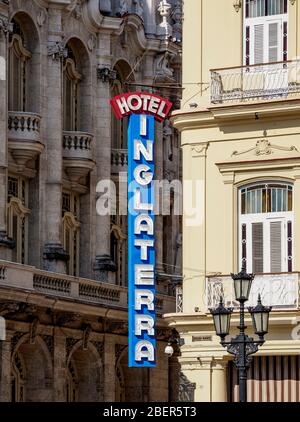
x=258 y=44
x=273 y=42
x=257 y=248
x=275 y=246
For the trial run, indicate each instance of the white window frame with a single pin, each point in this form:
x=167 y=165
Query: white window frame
x=266 y=219
x=266 y=20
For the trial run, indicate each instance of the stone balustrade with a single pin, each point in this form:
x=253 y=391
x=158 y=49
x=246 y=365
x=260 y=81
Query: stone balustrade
x=23 y=126
x=62 y=286
x=119 y=160
x=77 y=154
x=24 y=139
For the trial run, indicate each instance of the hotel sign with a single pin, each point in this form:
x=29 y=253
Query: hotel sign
x=142 y=109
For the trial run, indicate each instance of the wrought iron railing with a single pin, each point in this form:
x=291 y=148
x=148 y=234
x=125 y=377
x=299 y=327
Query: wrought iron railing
x=281 y=291
x=255 y=82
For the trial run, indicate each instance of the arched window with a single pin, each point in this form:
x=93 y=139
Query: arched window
x=18 y=59
x=71 y=230
x=266 y=227
x=71 y=95
x=17 y=217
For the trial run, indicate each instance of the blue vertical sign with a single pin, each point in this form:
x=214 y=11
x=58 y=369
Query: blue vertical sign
x=141 y=242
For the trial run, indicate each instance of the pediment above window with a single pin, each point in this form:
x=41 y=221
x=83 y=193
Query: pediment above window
x=17 y=206
x=17 y=45
x=71 y=71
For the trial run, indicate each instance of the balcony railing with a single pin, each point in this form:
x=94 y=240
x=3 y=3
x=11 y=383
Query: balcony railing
x=30 y=279
x=278 y=290
x=119 y=160
x=255 y=82
x=77 y=145
x=77 y=154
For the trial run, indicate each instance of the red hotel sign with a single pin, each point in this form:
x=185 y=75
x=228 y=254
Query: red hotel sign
x=141 y=103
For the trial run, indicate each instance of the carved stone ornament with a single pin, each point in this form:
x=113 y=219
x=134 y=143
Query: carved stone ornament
x=186 y=389
x=237 y=4
x=5 y=26
x=41 y=18
x=57 y=50
x=264 y=147
x=292 y=2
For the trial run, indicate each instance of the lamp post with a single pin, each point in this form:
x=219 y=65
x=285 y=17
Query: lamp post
x=242 y=346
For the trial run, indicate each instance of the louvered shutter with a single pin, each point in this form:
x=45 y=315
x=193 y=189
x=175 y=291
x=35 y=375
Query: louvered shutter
x=274 y=42
x=275 y=246
x=258 y=44
x=257 y=247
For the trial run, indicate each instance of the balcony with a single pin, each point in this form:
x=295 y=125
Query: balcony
x=255 y=83
x=77 y=154
x=119 y=160
x=60 y=286
x=282 y=291
x=24 y=141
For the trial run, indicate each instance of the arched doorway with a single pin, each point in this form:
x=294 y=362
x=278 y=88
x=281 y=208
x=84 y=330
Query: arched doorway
x=84 y=378
x=32 y=369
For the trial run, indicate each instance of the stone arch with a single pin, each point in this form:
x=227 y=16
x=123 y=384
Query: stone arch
x=135 y=381
x=32 y=43
x=79 y=50
x=34 y=380
x=85 y=374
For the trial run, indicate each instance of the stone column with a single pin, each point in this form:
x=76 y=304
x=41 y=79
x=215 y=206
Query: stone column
x=54 y=255
x=109 y=385
x=6 y=244
x=5 y=369
x=103 y=267
x=59 y=366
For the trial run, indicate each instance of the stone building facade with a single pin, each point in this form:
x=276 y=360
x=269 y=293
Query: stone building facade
x=63 y=273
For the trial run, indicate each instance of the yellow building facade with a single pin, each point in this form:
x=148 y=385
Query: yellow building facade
x=240 y=131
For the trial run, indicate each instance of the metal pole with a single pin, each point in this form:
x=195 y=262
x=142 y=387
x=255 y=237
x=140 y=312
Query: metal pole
x=242 y=357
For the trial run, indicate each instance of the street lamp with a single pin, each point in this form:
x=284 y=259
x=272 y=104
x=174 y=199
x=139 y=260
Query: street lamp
x=242 y=346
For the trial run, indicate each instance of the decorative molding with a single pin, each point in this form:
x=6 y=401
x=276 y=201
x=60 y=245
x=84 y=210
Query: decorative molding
x=292 y=2
x=199 y=150
x=91 y=42
x=57 y=50
x=87 y=330
x=237 y=4
x=264 y=147
x=41 y=17
x=33 y=330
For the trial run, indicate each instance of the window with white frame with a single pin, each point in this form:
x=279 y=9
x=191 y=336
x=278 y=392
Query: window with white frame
x=266 y=221
x=265 y=31
x=71 y=230
x=17 y=217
